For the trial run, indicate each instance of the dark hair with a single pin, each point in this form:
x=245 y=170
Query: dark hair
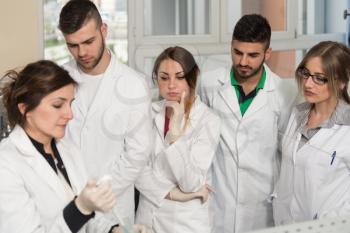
x=253 y=28
x=335 y=59
x=188 y=64
x=30 y=86
x=77 y=13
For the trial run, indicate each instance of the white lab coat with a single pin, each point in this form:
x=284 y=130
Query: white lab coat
x=247 y=160
x=185 y=163
x=114 y=132
x=32 y=196
x=311 y=185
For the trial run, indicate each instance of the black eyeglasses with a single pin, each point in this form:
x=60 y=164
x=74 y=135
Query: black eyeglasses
x=316 y=78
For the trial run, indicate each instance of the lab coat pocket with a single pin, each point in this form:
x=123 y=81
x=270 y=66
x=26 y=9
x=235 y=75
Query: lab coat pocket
x=327 y=158
x=326 y=164
x=281 y=211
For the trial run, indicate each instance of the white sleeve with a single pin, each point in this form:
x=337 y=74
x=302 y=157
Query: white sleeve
x=188 y=160
x=153 y=186
x=138 y=144
x=18 y=211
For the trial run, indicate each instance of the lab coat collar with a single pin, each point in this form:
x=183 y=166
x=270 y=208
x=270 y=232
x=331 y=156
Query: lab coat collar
x=224 y=78
x=340 y=115
x=19 y=138
x=22 y=142
x=227 y=92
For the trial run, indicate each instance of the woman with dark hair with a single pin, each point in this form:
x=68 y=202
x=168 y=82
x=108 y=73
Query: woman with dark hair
x=42 y=178
x=314 y=180
x=186 y=133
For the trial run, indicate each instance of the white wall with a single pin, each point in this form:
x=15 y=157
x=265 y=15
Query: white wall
x=20 y=40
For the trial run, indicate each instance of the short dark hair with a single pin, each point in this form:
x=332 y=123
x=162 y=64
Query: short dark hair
x=77 y=13
x=30 y=85
x=253 y=28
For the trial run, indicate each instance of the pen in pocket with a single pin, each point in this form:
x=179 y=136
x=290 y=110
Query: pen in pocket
x=333 y=157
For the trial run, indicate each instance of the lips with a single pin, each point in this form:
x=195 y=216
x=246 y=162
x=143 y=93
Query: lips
x=173 y=94
x=62 y=125
x=244 y=68
x=86 y=60
x=307 y=92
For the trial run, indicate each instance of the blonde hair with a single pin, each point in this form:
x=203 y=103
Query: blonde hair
x=335 y=59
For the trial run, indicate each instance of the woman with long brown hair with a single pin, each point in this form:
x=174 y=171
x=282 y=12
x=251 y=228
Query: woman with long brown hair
x=186 y=134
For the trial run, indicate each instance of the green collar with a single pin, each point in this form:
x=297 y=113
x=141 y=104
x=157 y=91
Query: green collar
x=260 y=85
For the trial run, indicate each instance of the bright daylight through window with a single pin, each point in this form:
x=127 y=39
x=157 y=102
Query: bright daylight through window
x=113 y=12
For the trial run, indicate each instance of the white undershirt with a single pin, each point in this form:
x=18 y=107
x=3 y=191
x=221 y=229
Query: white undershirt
x=89 y=86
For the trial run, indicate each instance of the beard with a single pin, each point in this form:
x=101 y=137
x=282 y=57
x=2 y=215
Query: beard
x=247 y=74
x=96 y=60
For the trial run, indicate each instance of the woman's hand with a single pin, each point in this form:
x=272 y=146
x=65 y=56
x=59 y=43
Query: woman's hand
x=203 y=193
x=95 y=198
x=177 y=120
x=177 y=195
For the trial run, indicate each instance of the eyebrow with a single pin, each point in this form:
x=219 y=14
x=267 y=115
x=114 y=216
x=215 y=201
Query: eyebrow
x=85 y=41
x=239 y=51
x=180 y=72
x=315 y=72
x=61 y=98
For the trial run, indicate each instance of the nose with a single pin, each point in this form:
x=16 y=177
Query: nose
x=81 y=51
x=244 y=60
x=172 y=83
x=68 y=113
x=308 y=82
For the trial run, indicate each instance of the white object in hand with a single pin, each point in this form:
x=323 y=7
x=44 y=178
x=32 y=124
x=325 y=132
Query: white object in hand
x=104 y=179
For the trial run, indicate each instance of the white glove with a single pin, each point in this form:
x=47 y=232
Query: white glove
x=177 y=121
x=136 y=228
x=95 y=198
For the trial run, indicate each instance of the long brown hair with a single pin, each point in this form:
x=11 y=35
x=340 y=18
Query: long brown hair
x=335 y=59
x=189 y=66
x=30 y=86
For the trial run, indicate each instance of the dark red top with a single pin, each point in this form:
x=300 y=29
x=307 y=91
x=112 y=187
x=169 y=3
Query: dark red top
x=166 y=125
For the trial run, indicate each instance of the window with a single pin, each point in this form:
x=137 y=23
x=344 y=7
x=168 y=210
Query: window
x=296 y=26
x=113 y=12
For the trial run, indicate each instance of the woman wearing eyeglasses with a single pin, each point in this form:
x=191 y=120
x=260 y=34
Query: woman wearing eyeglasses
x=315 y=171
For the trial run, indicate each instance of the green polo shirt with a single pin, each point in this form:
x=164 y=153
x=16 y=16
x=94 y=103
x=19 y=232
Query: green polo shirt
x=245 y=100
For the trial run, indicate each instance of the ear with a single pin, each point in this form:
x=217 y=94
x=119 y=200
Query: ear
x=232 y=42
x=22 y=108
x=104 y=29
x=342 y=85
x=268 y=53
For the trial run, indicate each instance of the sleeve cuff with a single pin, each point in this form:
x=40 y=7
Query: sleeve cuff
x=74 y=218
x=110 y=230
